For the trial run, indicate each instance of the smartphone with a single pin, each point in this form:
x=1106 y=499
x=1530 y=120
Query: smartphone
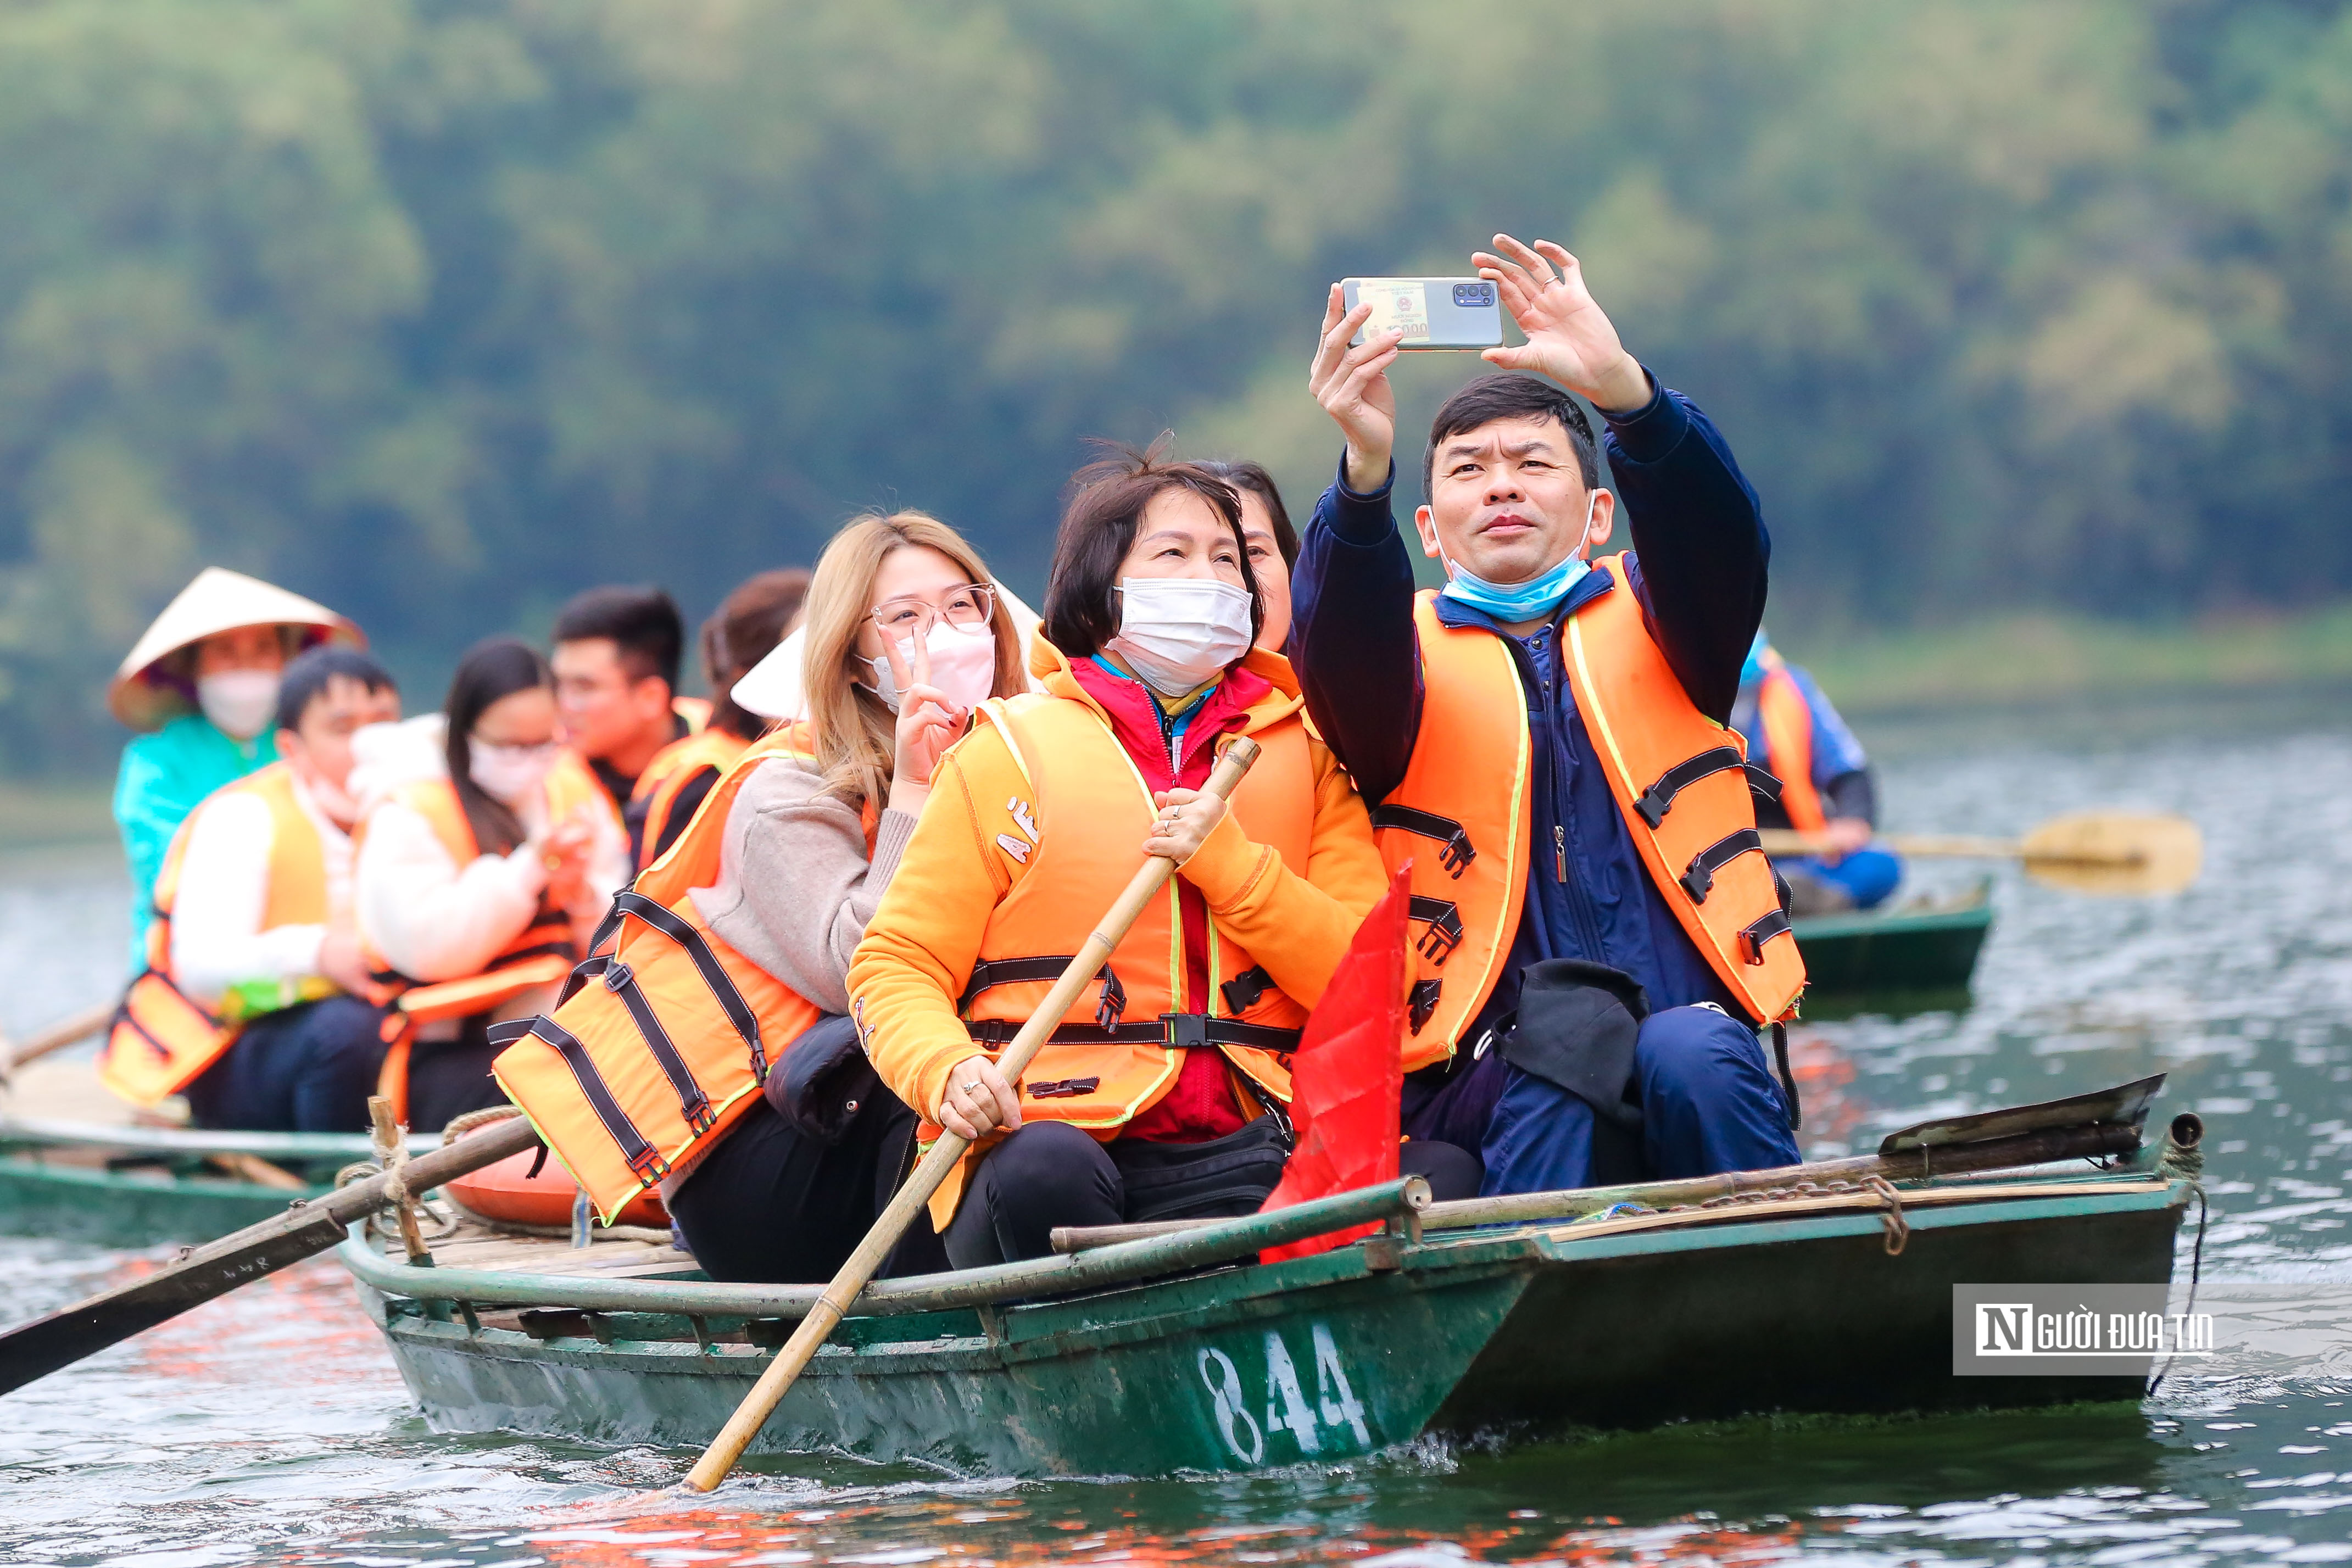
x=1435 y=312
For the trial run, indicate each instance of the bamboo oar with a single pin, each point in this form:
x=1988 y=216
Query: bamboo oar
x=915 y=1194
x=2092 y=1141
x=39 y=1347
x=56 y=1036
x=2115 y=853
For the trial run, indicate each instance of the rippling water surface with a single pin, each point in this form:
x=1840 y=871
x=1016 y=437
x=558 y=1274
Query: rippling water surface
x=269 y=1427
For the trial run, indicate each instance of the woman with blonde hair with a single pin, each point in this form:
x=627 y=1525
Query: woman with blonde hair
x=905 y=636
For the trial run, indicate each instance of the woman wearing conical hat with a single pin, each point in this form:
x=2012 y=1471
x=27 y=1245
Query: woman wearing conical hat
x=201 y=686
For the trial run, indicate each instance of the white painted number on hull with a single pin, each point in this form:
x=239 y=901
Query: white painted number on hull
x=1333 y=1416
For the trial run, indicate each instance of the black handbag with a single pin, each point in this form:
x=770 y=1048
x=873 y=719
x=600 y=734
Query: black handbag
x=1224 y=1177
x=1575 y=1028
x=823 y=1080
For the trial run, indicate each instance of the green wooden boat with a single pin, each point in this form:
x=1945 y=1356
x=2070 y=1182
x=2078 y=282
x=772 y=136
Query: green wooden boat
x=1179 y=1353
x=1923 y=953
x=144 y=1186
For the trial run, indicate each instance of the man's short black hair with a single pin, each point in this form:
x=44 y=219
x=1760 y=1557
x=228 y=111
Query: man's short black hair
x=1490 y=398
x=306 y=679
x=642 y=623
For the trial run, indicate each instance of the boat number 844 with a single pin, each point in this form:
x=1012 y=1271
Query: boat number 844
x=1334 y=1410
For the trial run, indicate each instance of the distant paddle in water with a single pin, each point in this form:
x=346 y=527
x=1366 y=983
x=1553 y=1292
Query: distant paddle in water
x=2111 y=854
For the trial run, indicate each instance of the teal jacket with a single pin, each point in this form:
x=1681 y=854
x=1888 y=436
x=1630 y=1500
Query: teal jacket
x=163 y=778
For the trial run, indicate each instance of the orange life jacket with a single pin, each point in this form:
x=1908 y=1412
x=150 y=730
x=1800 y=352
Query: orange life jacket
x=665 y=1034
x=1463 y=817
x=1786 y=720
x=1118 y=1048
x=541 y=953
x=162 y=1038
x=673 y=768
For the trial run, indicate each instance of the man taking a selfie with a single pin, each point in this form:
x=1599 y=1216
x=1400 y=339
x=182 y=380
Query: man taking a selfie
x=1597 y=930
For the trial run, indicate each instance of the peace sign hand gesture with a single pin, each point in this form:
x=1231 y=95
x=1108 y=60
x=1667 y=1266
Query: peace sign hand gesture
x=1570 y=339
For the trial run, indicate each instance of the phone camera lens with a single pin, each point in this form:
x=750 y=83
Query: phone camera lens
x=1473 y=294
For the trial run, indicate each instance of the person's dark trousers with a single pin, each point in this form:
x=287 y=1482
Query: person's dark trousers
x=1709 y=1104
x=447 y=1078
x=308 y=1069
x=772 y=1206
x=1050 y=1174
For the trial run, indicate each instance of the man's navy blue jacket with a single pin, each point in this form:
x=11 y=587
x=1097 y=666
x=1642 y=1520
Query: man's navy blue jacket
x=1702 y=559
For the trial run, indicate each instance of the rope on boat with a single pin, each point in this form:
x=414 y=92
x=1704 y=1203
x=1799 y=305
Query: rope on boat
x=1890 y=1202
x=1898 y=1228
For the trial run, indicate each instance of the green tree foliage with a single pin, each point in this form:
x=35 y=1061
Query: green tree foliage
x=440 y=311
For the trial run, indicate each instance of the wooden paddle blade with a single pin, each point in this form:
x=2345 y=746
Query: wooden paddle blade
x=36 y=1349
x=2115 y=854
x=2125 y=1104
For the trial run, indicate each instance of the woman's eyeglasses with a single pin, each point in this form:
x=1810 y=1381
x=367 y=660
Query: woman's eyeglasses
x=971 y=608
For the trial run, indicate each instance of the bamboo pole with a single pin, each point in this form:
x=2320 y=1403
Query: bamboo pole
x=915 y=1194
x=70 y=1030
x=2040 y=1148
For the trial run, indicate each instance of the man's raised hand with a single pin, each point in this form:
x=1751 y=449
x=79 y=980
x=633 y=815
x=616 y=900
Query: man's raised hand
x=1352 y=385
x=1570 y=339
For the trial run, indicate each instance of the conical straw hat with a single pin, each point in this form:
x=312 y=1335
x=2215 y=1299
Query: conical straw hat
x=217 y=600
x=773 y=687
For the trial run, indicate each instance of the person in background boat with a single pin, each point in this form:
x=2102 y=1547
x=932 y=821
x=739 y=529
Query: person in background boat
x=905 y=637
x=1273 y=545
x=1646 y=953
x=1826 y=786
x=261 y=927
x=617 y=662
x=201 y=684
x=1160 y=1096
x=750 y=621
x=479 y=880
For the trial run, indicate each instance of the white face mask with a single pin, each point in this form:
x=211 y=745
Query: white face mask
x=963 y=666
x=510 y=775
x=240 y=703
x=1178 y=633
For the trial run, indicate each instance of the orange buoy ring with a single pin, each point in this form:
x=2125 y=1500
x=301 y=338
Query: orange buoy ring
x=508 y=1191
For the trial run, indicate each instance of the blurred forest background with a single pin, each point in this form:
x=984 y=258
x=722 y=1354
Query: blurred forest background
x=441 y=310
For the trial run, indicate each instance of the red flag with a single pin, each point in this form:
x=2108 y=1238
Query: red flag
x=1346 y=1075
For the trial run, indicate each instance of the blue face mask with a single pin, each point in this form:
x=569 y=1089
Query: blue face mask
x=1529 y=600
x=1753 y=670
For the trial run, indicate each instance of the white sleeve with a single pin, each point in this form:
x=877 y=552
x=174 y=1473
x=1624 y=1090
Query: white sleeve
x=428 y=919
x=216 y=936
x=609 y=869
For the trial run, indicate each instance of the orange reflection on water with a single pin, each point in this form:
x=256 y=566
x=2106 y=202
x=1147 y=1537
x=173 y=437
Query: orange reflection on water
x=1006 y=1533
x=299 y=1328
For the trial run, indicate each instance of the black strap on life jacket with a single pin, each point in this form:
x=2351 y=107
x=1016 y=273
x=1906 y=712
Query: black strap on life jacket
x=1424 y=1001
x=1459 y=850
x=1242 y=991
x=705 y=964
x=1173 y=1031
x=644 y=1160
x=1445 y=933
x=1774 y=923
x=620 y=980
x=1762 y=783
x=1659 y=797
x=123 y=1015
x=1700 y=877
x=1046 y=967
x=1788 y=1078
